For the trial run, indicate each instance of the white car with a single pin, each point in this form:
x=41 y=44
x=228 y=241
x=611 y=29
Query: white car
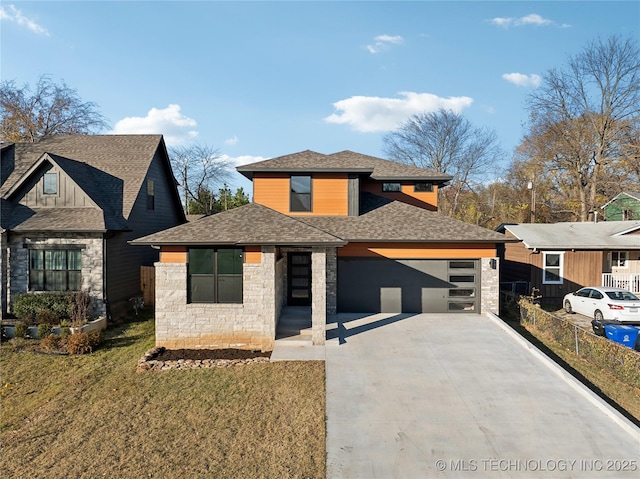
x=604 y=304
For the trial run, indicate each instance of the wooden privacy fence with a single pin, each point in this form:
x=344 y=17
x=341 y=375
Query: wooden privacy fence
x=148 y=284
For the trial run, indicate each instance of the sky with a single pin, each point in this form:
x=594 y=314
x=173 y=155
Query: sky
x=258 y=80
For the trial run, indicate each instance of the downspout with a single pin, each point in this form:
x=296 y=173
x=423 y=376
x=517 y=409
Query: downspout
x=107 y=310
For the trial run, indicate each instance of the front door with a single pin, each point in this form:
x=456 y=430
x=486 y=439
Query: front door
x=299 y=279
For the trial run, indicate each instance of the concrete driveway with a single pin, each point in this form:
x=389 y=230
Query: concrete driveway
x=422 y=396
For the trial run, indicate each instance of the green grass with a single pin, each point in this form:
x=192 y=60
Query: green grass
x=94 y=416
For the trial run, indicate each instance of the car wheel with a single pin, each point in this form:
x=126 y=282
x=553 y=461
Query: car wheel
x=598 y=315
x=567 y=307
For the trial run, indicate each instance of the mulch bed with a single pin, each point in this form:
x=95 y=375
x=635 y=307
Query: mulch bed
x=201 y=354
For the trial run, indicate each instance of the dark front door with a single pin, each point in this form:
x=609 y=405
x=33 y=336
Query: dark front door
x=299 y=279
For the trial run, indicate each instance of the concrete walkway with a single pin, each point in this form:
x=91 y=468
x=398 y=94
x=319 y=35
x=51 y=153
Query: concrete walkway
x=422 y=396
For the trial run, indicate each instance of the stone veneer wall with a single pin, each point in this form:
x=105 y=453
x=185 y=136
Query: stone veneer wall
x=318 y=295
x=490 y=291
x=250 y=325
x=92 y=263
x=3 y=274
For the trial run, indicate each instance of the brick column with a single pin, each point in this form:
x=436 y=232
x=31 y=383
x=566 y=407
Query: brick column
x=318 y=295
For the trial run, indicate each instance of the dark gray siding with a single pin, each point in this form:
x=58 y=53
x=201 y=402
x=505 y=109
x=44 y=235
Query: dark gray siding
x=124 y=260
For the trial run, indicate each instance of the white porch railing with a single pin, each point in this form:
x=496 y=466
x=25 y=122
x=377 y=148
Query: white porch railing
x=630 y=282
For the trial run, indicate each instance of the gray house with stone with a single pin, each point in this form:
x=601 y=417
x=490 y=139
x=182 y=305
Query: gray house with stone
x=344 y=232
x=70 y=205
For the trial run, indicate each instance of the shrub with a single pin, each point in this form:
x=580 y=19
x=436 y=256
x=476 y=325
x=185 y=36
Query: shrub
x=44 y=330
x=51 y=343
x=46 y=316
x=27 y=306
x=20 y=330
x=79 y=303
x=65 y=332
x=78 y=343
x=94 y=339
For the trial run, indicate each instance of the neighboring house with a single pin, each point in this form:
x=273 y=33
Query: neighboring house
x=560 y=258
x=624 y=207
x=70 y=205
x=340 y=233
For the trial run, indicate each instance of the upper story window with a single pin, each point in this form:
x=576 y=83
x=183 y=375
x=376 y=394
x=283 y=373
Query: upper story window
x=151 y=195
x=50 y=182
x=552 y=268
x=423 y=186
x=215 y=275
x=300 y=199
x=391 y=187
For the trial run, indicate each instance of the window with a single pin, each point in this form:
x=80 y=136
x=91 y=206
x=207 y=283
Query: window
x=300 y=193
x=619 y=259
x=215 y=275
x=151 y=195
x=50 y=182
x=462 y=265
x=55 y=270
x=423 y=187
x=391 y=187
x=552 y=268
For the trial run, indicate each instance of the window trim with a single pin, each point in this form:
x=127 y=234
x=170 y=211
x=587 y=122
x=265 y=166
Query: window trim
x=215 y=276
x=43 y=252
x=151 y=195
x=50 y=174
x=292 y=193
x=387 y=184
x=560 y=267
x=427 y=184
x=616 y=263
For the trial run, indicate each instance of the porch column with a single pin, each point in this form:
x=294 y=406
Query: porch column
x=318 y=295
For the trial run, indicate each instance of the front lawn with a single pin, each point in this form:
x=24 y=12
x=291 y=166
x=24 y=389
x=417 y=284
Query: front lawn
x=94 y=416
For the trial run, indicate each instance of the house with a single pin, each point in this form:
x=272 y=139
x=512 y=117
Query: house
x=560 y=258
x=70 y=204
x=623 y=207
x=343 y=232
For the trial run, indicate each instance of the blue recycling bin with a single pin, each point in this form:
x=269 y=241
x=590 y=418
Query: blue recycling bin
x=623 y=334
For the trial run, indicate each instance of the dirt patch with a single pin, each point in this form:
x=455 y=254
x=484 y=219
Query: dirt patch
x=202 y=354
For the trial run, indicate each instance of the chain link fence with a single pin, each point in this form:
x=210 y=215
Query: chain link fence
x=619 y=360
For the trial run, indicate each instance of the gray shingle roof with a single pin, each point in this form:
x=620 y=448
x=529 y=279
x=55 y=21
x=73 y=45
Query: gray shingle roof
x=397 y=221
x=392 y=222
x=252 y=224
x=345 y=161
x=594 y=236
x=57 y=219
x=122 y=157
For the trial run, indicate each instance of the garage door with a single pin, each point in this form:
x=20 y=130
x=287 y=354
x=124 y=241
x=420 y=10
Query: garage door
x=369 y=285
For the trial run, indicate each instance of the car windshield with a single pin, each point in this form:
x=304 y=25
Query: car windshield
x=622 y=296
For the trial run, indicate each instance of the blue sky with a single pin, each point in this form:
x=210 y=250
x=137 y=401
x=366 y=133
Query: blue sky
x=263 y=79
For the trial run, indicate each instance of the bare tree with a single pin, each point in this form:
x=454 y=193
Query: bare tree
x=52 y=109
x=445 y=142
x=583 y=120
x=198 y=169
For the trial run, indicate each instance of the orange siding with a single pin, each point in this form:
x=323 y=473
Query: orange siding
x=417 y=251
x=426 y=199
x=173 y=254
x=252 y=254
x=329 y=193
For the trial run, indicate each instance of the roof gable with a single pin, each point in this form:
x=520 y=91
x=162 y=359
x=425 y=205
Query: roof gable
x=345 y=161
x=123 y=157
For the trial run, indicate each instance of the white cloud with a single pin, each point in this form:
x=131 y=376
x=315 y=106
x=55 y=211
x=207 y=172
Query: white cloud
x=375 y=114
x=12 y=14
x=231 y=141
x=531 y=19
x=170 y=122
x=520 y=79
x=382 y=42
